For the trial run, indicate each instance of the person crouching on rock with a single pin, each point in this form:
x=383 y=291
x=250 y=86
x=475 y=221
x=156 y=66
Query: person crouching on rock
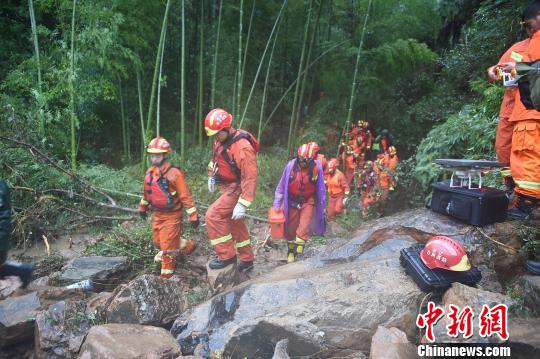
x=301 y=194
x=166 y=193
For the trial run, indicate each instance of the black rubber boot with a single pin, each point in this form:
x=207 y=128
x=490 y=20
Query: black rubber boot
x=217 y=263
x=245 y=266
x=534 y=267
x=524 y=208
x=21 y=270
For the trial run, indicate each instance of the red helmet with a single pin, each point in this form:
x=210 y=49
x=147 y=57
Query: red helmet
x=307 y=150
x=445 y=253
x=217 y=120
x=392 y=150
x=158 y=145
x=333 y=164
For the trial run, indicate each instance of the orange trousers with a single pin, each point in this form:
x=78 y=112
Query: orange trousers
x=299 y=221
x=166 y=232
x=525 y=157
x=335 y=205
x=228 y=236
x=503 y=139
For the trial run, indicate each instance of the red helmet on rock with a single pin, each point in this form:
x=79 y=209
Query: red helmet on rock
x=333 y=164
x=307 y=150
x=445 y=253
x=217 y=120
x=158 y=145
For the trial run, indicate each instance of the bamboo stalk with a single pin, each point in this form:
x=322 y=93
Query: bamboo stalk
x=239 y=73
x=72 y=91
x=201 y=79
x=35 y=40
x=266 y=79
x=123 y=118
x=216 y=52
x=158 y=108
x=182 y=85
x=248 y=37
x=141 y=115
x=156 y=68
x=297 y=89
x=262 y=60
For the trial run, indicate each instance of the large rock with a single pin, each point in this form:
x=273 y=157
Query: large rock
x=17 y=318
x=147 y=300
x=531 y=292
x=105 y=273
x=331 y=303
x=96 y=306
x=129 y=341
x=8 y=286
x=524 y=337
x=280 y=352
x=61 y=329
x=391 y=344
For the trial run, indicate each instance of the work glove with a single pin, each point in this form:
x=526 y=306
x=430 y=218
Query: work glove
x=211 y=184
x=159 y=257
x=239 y=211
x=345 y=200
x=195 y=223
x=143 y=215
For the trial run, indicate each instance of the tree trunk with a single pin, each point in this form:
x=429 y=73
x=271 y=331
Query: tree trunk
x=156 y=69
x=72 y=92
x=201 y=77
x=182 y=85
x=239 y=73
x=216 y=51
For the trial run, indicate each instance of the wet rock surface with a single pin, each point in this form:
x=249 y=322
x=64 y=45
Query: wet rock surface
x=129 y=341
x=147 y=300
x=17 y=318
x=391 y=344
x=531 y=292
x=105 y=273
x=61 y=329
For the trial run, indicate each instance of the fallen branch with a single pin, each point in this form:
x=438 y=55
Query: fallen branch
x=505 y=246
x=47 y=246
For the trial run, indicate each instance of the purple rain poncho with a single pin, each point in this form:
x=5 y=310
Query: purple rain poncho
x=281 y=198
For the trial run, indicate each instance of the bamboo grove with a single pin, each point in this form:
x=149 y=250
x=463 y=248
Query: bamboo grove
x=76 y=74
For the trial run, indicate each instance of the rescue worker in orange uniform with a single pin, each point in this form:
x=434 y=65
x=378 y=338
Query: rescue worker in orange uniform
x=166 y=194
x=367 y=136
x=302 y=196
x=319 y=156
x=338 y=189
x=525 y=154
x=349 y=157
x=505 y=128
x=369 y=186
x=384 y=141
x=389 y=165
x=233 y=168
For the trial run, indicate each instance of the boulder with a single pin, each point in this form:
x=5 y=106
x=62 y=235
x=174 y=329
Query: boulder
x=524 y=337
x=60 y=330
x=39 y=282
x=129 y=341
x=50 y=295
x=531 y=292
x=8 y=286
x=391 y=344
x=461 y=296
x=105 y=273
x=96 y=306
x=220 y=280
x=280 y=352
x=318 y=304
x=17 y=318
x=147 y=300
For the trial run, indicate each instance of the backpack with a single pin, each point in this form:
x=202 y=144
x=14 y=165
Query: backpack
x=233 y=139
x=529 y=84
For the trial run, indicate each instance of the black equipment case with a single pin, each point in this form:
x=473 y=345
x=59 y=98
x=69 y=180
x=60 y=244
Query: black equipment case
x=476 y=206
x=434 y=280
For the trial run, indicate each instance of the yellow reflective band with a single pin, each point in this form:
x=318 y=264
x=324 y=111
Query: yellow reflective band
x=244 y=202
x=167 y=271
x=220 y=240
x=173 y=193
x=191 y=210
x=515 y=56
x=506 y=173
x=247 y=242
x=144 y=202
x=299 y=241
x=347 y=193
x=527 y=184
x=211 y=165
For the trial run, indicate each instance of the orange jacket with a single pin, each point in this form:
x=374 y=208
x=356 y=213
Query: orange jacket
x=513 y=54
x=245 y=156
x=337 y=183
x=520 y=112
x=177 y=188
